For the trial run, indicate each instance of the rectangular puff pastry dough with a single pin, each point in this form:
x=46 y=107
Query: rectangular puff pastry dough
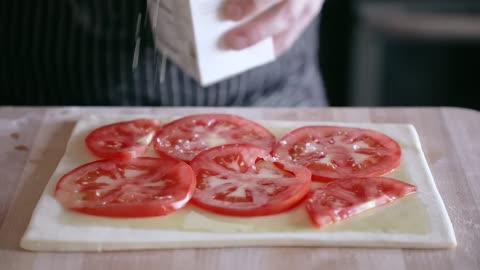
x=418 y=221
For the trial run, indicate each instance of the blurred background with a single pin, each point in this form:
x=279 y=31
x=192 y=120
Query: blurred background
x=372 y=53
x=401 y=52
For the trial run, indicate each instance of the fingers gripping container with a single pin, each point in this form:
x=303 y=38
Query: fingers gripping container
x=189 y=33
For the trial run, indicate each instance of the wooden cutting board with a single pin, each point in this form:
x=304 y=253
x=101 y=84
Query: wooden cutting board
x=449 y=138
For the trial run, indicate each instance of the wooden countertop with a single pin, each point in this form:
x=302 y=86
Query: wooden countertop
x=449 y=136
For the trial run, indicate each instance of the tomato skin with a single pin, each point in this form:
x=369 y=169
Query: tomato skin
x=309 y=146
x=274 y=187
x=73 y=194
x=186 y=137
x=127 y=136
x=344 y=198
x=132 y=211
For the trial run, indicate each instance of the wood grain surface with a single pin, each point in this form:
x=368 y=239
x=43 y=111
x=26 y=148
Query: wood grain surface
x=449 y=137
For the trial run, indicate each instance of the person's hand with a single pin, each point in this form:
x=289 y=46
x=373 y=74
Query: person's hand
x=283 y=20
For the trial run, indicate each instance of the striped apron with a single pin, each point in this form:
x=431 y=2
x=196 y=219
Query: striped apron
x=80 y=52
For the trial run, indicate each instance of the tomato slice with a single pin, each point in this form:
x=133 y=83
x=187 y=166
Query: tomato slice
x=339 y=152
x=344 y=198
x=139 y=187
x=188 y=136
x=122 y=140
x=240 y=180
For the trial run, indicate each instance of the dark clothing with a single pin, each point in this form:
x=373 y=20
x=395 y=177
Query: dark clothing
x=80 y=52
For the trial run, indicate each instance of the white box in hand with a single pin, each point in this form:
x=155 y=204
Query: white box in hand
x=189 y=32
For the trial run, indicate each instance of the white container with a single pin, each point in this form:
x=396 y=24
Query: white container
x=189 y=32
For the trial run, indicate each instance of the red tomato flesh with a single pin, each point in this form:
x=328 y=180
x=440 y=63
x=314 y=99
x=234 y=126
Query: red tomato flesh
x=122 y=140
x=239 y=180
x=187 y=137
x=333 y=153
x=342 y=199
x=141 y=187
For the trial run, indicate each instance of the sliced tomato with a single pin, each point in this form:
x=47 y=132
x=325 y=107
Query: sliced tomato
x=333 y=152
x=141 y=187
x=345 y=198
x=188 y=136
x=122 y=140
x=240 y=180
